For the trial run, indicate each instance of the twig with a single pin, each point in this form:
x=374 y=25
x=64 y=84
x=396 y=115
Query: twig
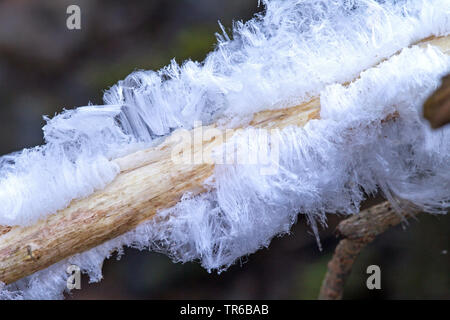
x=358 y=231
x=149 y=181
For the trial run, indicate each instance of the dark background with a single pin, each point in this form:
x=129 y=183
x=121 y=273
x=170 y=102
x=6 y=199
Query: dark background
x=44 y=68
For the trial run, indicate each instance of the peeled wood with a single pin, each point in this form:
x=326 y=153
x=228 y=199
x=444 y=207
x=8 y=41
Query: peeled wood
x=148 y=182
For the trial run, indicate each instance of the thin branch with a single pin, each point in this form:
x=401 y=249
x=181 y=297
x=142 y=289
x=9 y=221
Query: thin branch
x=358 y=231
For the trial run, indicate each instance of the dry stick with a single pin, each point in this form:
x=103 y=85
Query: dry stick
x=149 y=181
x=358 y=231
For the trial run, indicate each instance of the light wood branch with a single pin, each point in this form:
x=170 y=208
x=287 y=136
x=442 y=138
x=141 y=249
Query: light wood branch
x=148 y=181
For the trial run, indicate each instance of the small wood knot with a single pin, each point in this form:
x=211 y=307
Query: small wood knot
x=32 y=252
x=4 y=229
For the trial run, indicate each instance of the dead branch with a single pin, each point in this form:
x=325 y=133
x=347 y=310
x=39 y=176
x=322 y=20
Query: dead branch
x=357 y=231
x=149 y=181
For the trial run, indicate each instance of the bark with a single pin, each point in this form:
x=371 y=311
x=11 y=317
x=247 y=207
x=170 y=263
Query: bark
x=437 y=107
x=358 y=231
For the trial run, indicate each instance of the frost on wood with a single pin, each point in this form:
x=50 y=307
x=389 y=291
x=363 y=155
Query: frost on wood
x=296 y=50
x=275 y=60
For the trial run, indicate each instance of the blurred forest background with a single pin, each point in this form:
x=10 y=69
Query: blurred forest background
x=44 y=67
